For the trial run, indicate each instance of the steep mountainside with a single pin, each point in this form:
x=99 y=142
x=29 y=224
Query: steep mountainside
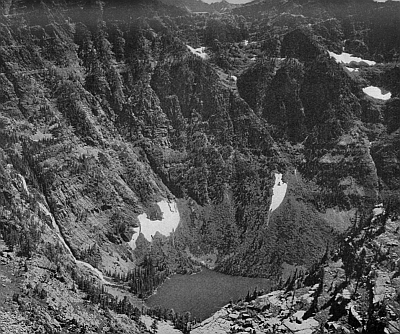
x=108 y=108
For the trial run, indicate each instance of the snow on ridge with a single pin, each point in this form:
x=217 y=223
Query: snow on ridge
x=376 y=93
x=279 y=192
x=165 y=226
x=201 y=51
x=347 y=58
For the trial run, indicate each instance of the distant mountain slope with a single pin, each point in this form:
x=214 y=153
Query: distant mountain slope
x=224 y=6
x=190 y=5
x=200 y=6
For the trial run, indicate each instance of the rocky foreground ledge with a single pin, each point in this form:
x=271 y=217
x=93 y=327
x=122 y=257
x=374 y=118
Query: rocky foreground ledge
x=275 y=311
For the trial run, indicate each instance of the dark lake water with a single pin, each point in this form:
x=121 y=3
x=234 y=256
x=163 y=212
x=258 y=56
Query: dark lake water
x=204 y=293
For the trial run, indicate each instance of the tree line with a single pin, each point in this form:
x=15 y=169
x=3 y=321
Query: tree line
x=98 y=294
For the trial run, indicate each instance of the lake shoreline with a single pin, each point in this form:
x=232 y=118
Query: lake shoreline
x=192 y=293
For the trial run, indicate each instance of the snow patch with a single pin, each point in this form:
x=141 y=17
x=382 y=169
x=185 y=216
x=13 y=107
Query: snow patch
x=350 y=69
x=279 y=192
x=347 y=58
x=24 y=184
x=378 y=210
x=376 y=93
x=165 y=226
x=201 y=51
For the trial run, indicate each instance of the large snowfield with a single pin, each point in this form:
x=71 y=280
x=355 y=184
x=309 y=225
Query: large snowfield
x=348 y=59
x=165 y=226
x=376 y=93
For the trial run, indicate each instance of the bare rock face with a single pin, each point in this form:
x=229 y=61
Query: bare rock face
x=386 y=157
x=301 y=45
x=391 y=114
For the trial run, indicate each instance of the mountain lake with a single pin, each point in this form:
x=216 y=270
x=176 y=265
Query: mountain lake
x=204 y=293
